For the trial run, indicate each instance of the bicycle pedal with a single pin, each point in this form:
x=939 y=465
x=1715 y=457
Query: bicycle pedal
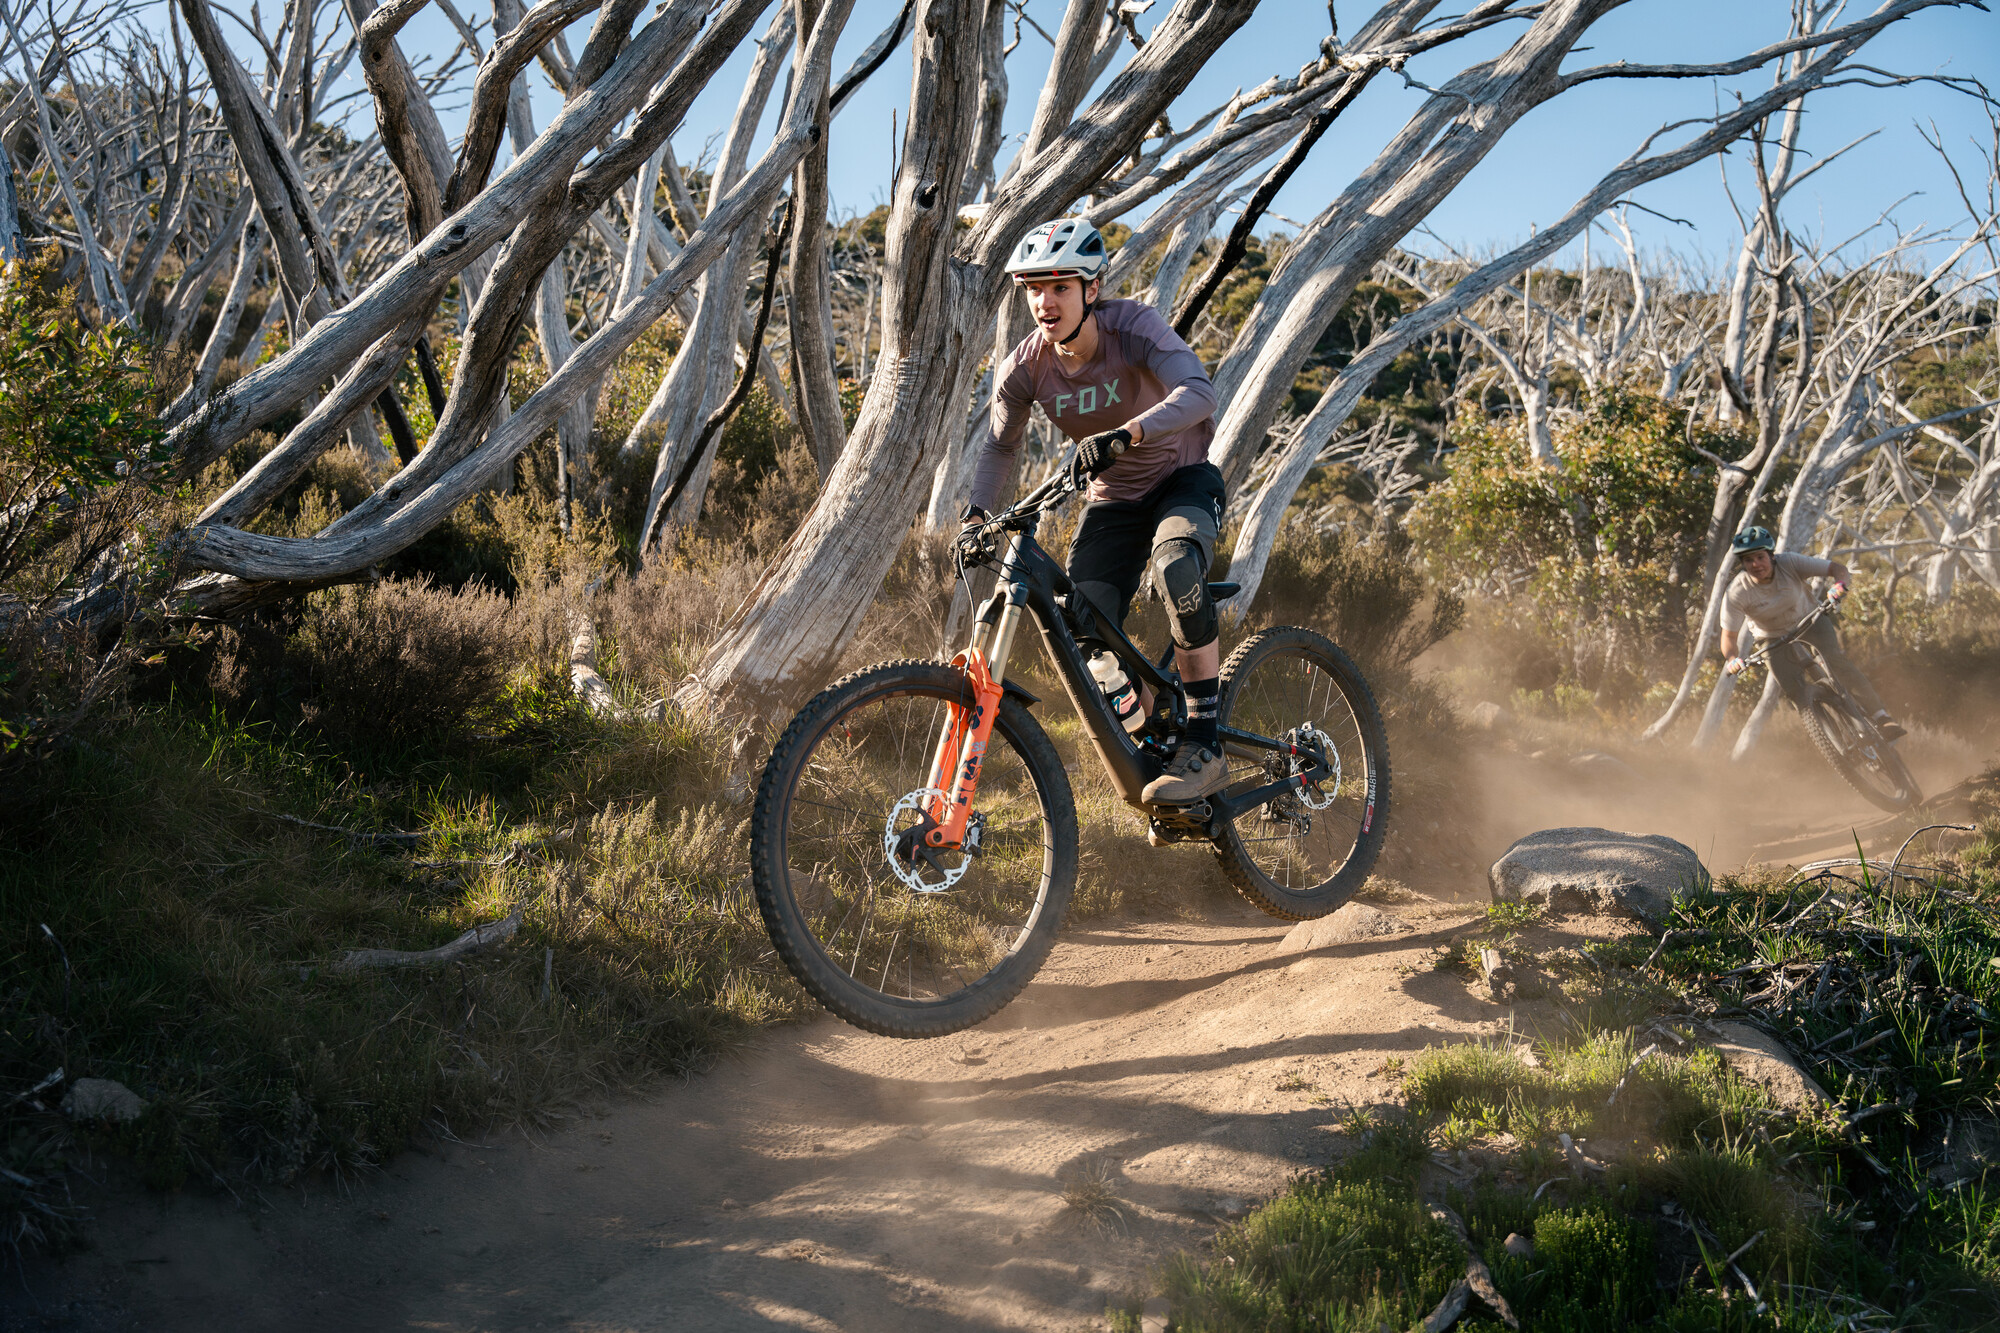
x=1167 y=832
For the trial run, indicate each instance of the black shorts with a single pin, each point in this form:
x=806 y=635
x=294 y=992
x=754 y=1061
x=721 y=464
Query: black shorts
x=1116 y=538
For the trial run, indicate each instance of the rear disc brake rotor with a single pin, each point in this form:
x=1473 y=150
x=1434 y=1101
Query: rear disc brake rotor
x=1317 y=795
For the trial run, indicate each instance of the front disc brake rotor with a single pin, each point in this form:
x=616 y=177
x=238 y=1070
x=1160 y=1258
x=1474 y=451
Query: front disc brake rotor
x=908 y=856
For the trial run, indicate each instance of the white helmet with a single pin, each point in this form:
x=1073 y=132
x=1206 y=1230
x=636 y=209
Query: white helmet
x=1065 y=248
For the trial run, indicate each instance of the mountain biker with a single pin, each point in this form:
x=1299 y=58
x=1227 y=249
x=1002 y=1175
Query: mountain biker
x=1770 y=592
x=1113 y=376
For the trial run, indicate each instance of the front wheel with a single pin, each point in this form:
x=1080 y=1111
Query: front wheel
x=903 y=947
x=1858 y=753
x=1308 y=851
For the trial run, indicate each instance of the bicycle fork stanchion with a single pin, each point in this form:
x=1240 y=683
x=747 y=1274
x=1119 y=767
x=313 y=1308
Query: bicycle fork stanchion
x=960 y=752
x=961 y=748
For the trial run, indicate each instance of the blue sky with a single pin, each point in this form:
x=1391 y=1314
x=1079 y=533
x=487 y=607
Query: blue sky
x=1545 y=162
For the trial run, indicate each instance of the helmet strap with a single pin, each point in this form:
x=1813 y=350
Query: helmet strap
x=1082 y=319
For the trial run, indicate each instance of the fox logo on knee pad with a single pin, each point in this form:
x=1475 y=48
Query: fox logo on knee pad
x=1181 y=571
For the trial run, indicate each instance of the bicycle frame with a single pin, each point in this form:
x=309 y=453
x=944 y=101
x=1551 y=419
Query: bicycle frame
x=1818 y=679
x=1032 y=584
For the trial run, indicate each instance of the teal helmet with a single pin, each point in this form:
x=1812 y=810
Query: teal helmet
x=1753 y=539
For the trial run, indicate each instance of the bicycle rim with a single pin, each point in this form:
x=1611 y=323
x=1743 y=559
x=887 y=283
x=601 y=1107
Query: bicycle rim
x=911 y=948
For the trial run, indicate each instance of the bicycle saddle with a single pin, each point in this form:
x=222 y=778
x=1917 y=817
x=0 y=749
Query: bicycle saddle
x=1222 y=592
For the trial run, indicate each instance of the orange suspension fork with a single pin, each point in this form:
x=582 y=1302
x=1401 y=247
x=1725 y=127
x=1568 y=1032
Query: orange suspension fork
x=961 y=750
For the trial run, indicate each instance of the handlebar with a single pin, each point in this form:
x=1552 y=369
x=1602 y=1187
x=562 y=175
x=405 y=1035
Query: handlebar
x=1826 y=606
x=979 y=543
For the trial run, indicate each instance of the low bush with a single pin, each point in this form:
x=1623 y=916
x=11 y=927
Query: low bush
x=1368 y=598
x=80 y=462
x=1593 y=556
x=399 y=665
x=400 y=659
x=1591 y=1265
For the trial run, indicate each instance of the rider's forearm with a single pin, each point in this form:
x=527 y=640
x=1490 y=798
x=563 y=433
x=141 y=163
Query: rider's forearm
x=1728 y=644
x=994 y=475
x=1190 y=402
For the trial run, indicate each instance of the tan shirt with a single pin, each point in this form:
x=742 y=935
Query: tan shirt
x=1142 y=372
x=1776 y=607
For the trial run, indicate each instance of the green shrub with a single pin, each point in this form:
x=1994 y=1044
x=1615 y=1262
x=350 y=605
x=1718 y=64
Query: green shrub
x=79 y=460
x=1336 y=1252
x=1594 y=1262
x=1596 y=553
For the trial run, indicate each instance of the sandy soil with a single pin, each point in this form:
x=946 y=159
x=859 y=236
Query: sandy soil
x=826 y=1179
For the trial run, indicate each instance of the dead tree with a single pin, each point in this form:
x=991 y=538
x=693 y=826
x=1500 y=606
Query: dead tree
x=1828 y=55
x=542 y=203
x=941 y=289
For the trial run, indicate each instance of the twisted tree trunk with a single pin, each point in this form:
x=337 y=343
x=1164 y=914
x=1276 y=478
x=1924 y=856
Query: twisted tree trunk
x=937 y=304
x=703 y=370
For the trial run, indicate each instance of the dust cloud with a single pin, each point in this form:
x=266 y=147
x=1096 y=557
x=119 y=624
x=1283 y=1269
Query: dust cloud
x=1780 y=803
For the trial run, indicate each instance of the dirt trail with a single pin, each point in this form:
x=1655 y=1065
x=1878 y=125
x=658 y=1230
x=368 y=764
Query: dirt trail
x=829 y=1179
x=826 y=1179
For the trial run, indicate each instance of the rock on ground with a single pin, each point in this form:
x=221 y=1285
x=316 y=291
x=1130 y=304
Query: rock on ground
x=1356 y=921
x=1759 y=1057
x=1488 y=716
x=1597 y=764
x=1597 y=870
x=102 y=1099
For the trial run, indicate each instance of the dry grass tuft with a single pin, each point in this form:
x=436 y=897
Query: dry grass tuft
x=1090 y=1196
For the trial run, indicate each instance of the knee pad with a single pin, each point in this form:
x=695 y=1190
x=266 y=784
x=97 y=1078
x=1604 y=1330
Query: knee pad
x=1181 y=572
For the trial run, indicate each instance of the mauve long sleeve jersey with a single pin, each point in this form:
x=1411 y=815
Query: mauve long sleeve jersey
x=1142 y=371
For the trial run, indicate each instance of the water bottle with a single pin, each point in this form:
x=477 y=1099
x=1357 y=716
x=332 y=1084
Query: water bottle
x=1119 y=691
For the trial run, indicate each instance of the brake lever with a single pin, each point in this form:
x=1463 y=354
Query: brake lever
x=975 y=546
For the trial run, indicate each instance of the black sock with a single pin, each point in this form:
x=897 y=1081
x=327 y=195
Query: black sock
x=1203 y=698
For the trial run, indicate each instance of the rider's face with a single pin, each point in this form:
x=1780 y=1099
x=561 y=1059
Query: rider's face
x=1057 y=304
x=1757 y=564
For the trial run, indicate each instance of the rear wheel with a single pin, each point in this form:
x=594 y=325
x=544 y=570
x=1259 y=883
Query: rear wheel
x=909 y=948
x=1306 y=852
x=1858 y=753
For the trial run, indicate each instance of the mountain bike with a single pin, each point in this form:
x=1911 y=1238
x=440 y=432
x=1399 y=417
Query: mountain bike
x=1840 y=728
x=914 y=839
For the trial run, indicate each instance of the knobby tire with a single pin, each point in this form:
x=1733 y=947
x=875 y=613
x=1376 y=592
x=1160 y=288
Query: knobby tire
x=1363 y=796
x=1851 y=765
x=776 y=871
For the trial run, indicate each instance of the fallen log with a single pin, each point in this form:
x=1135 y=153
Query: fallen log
x=1448 y=1310
x=1478 y=1277
x=483 y=936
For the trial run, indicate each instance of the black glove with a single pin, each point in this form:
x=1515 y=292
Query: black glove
x=1099 y=452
